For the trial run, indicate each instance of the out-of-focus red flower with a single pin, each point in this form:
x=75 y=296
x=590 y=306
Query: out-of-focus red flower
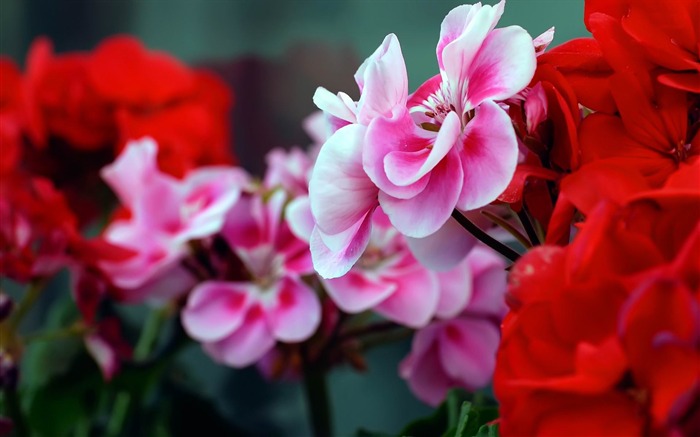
x=36 y=227
x=121 y=92
x=61 y=101
x=665 y=34
x=603 y=337
x=10 y=115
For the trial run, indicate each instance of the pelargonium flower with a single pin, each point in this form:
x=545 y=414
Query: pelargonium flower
x=386 y=279
x=344 y=226
x=602 y=337
x=459 y=350
x=238 y=322
x=454 y=147
x=165 y=213
x=449 y=145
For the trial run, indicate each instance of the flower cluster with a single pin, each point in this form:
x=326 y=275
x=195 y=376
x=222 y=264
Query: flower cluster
x=579 y=163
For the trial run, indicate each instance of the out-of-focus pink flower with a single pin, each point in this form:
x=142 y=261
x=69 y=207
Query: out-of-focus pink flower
x=239 y=322
x=387 y=279
x=166 y=213
x=460 y=351
x=289 y=170
x=342 y=196
x=454 y=147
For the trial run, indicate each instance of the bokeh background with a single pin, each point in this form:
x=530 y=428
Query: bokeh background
x=274 y=54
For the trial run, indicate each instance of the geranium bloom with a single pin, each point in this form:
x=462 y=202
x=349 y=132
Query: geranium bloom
x=602 y=338
x=671 y=44
x=344 y=226
x=460 y=350
x=238 y=322
x=166 y=212
x=387 y=279
x=447 y=146
x=454 y=147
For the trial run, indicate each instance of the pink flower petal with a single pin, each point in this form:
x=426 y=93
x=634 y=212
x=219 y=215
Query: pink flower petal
x=356 y=291
x=332 y=264
x=504 y=66
x=334 y=105
x=104 y=354
x=209 y=192
x=384 y=82
x=489 y=156
x=416 y=297
x=427 y=89
x=407 y=167
x=490 y=282
x=387 y=135
x=248 y=344
x=468 y=351
x=214 y=310
x=428 y=211
x=299 y=218
x=296 y=314
x=455 y=290
x=458 y=54
x=340 y=192
x=444 y=249
x=132 y=169
x=426 y=377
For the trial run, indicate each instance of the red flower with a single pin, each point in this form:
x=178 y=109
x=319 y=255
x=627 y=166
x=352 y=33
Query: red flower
x=122 y=92
x=603 y=337
x=665 y=34
x=61 y=101
x=10 y=115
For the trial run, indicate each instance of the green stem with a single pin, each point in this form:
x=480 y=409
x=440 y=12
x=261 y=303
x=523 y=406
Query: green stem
x=30 y=296
x=527 y=225
x=484 y=237
x=76 y=329
x=317 y=400
x=143 y=348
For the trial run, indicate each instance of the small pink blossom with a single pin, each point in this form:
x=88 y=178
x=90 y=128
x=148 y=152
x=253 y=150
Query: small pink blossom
x=454 y=147
x=342 y=197
x=239 y=322
x=166 y=213
x=460 y=351
x=387 y=279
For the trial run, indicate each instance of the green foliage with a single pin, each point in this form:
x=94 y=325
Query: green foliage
x=461 y=415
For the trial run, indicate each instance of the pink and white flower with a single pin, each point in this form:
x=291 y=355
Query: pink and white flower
x=447 y=146
x=387 y=279
x=239 y=322
x=342 y=197
x=460 y=351
x=166 y=213
x=454 y=147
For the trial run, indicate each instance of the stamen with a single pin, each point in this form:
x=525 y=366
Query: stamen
x=430 y=127
x=430 y=114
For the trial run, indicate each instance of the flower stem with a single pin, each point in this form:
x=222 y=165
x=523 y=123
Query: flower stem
x=527 y=225
x=317 y=399
x=484 y=237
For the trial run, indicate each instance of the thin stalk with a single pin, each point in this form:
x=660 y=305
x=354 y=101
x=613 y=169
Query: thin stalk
x=317 y=400
x=148 y=337
x=529 y=229
x=55 y=334
x=30 y=296
x=484 y=237
x=508 y=227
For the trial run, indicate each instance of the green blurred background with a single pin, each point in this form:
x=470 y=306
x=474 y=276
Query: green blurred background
x=296 y=46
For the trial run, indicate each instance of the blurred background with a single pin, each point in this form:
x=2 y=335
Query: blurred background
x=274 y=54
